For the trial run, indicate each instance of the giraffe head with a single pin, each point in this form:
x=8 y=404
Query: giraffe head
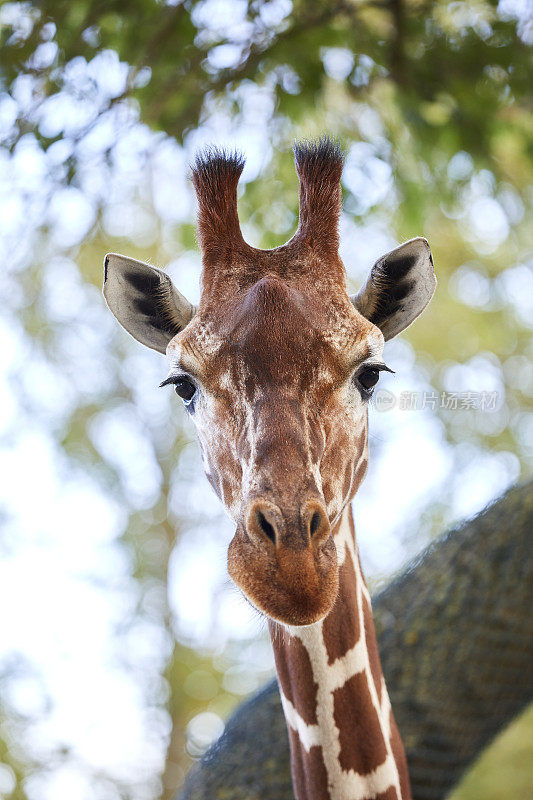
x=276 y=367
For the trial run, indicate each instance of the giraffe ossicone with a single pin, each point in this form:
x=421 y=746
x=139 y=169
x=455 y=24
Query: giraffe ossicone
x=276 y=367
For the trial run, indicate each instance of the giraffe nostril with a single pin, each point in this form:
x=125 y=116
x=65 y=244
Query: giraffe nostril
x=315 y=522
x=266 y=527
x=265 y=522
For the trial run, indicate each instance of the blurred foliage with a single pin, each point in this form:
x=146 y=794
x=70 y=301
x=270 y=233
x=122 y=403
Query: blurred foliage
x=437 y=93
x=433 y=102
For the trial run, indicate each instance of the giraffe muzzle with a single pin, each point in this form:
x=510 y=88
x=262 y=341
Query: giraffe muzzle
x=286 y=562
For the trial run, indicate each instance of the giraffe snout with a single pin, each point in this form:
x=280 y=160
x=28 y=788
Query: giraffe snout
x=285 y=562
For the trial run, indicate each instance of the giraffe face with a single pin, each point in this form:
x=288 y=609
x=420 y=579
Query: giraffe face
x=281 y=414
x=276 y=367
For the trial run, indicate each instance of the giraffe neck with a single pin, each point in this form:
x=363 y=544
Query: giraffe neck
x=343 y=738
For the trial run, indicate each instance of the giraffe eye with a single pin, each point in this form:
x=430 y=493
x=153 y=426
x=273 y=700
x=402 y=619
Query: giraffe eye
x=183 y=386
x=367 y=378
x=185 y=389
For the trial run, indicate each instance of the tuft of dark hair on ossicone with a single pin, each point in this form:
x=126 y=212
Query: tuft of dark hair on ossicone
x=319 y=166
x=321 y=159
x=215 y=174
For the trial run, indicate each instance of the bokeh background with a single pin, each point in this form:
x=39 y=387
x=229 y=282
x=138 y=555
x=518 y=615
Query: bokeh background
x=123 y=645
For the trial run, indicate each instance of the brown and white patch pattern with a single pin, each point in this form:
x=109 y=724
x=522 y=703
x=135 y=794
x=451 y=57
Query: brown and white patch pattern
x=340 y=732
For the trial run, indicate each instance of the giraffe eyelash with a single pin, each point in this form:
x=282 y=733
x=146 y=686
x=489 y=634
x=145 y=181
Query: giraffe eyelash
x=379 y=365
x=170 y=380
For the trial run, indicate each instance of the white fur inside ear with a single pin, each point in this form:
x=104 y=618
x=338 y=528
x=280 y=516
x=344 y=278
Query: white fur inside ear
x=145 y=301
x=399 y=287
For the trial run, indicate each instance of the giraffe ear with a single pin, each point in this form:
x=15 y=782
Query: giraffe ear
x=399 y=287
x=145 y=301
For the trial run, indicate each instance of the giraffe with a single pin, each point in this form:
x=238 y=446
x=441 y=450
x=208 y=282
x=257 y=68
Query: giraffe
x=276 y=367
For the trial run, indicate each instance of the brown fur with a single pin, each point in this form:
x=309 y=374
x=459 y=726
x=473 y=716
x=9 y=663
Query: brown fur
x=372 y=646
x=340 y=629
x=319 y=167
x=309 y=774
x=295 y=674
x=215 y=176
x=399 y=755
x=390 y=794
x=361 y=737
